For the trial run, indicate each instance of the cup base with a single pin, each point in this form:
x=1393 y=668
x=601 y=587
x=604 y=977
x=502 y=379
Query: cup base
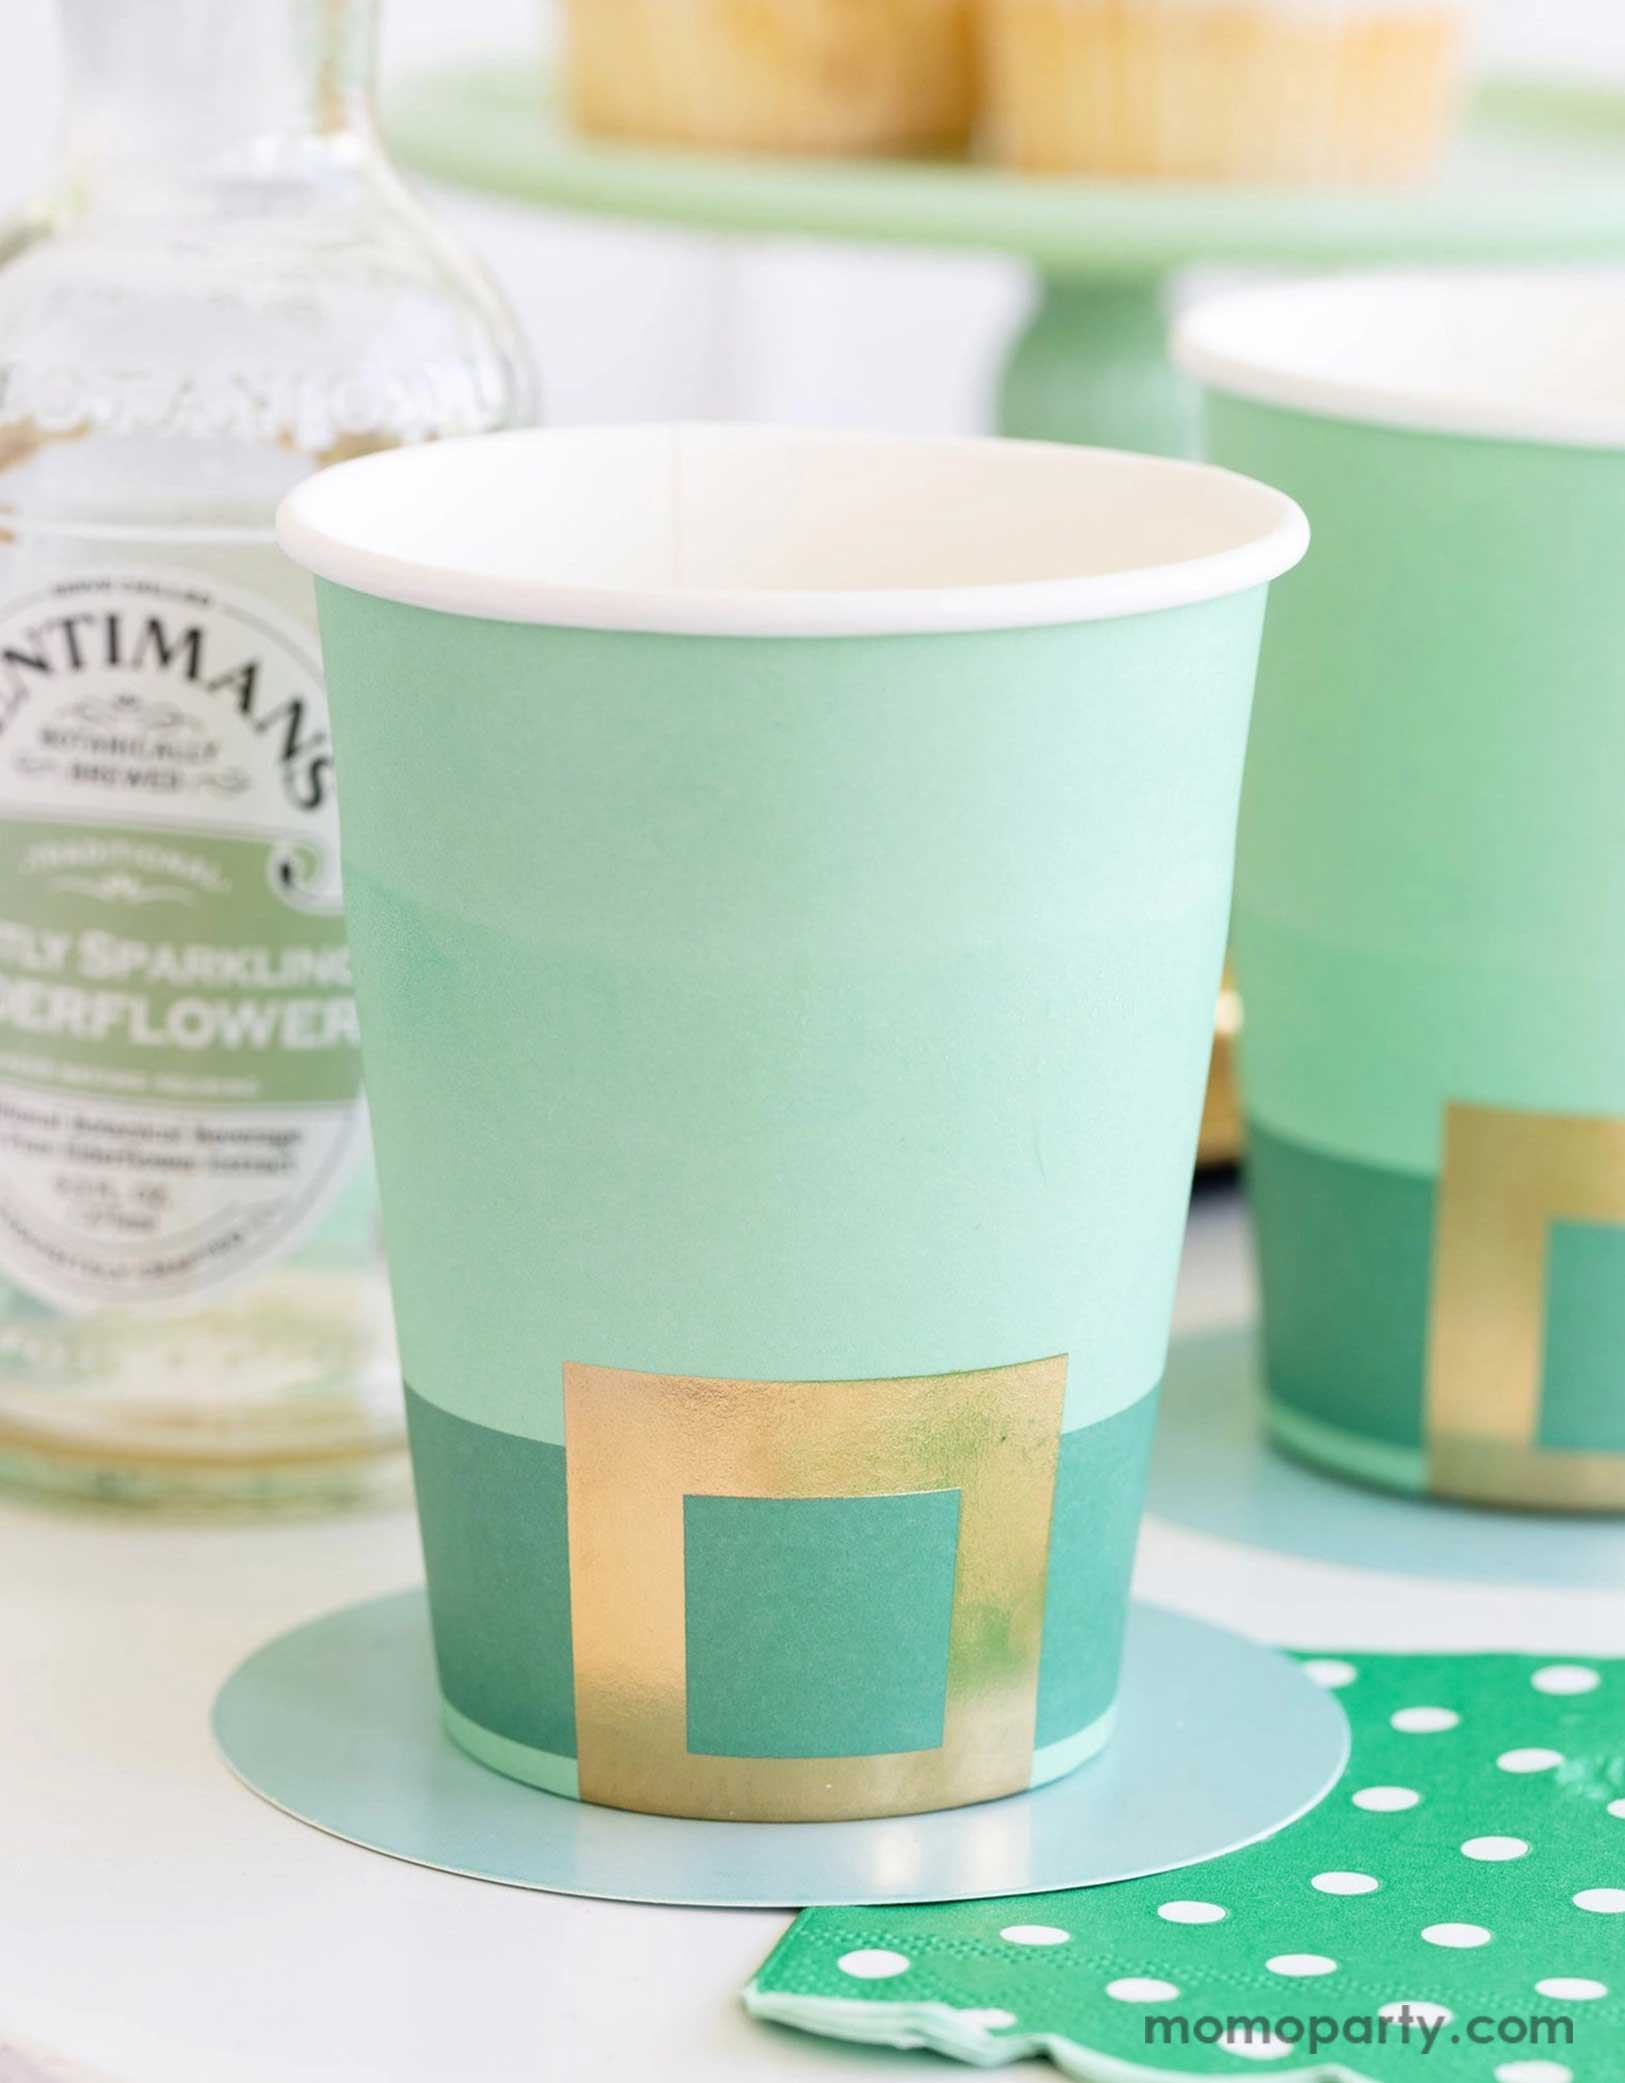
x=1482 y=1474
x=1374 y=1462
x=555 y=1774
x=1216 y=1470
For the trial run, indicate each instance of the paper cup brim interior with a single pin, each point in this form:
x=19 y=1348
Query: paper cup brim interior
x=755 y=531
x=1499 y=354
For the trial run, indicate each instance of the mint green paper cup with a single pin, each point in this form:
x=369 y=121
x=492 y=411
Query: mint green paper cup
x=787 y=876
x=1430 y=908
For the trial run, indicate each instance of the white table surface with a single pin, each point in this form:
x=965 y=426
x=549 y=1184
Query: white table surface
x=160 y=1925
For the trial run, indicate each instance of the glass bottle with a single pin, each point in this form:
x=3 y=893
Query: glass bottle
x=228 y=288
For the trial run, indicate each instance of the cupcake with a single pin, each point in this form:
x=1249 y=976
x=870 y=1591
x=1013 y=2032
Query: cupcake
x=1222 y=90
x=797 y=76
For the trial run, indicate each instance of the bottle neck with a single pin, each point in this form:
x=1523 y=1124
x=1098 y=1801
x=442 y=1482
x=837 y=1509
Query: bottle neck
x=173 y=94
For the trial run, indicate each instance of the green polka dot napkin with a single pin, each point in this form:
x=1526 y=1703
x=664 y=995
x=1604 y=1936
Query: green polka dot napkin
x=1453 y=1912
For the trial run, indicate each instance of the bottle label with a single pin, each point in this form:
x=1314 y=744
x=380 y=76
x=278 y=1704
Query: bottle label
x=180 y=1076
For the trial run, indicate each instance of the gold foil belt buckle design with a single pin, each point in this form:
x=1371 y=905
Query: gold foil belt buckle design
x=638 y=1445
x=1509 y=1179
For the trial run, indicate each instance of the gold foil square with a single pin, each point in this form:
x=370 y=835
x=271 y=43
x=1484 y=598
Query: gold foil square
x=1507 y=1177
x=637 y=1444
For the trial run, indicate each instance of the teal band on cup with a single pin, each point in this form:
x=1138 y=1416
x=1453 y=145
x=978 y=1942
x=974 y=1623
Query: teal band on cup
x=1430 y=894
x=560 y=1775
x=493 y=1510
x=787 y=878
x=1345 y=1252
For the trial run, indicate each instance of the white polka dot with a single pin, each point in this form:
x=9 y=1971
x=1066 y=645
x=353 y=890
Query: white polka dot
x=1492 y=1850
x=1035 y=1934
x=1330 y=1671
x=1529 y=1760
x=988 y=2021
x=1533 y=2072
x=1419 y=2011
x=1250 y=2049
x=1386 y=1800
x=1457 y=1936
x=1192 y=1913
x=1571 y=1989
x=1563 y=1681
x=1301 y=1964
x=1142 y=1989
x=1602 y=1902
x=873 y=1964
x=1346 y=1883
x=1617 y=1808
x=1424 y=1721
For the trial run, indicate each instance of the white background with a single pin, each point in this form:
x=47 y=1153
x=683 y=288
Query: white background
x=632 y=324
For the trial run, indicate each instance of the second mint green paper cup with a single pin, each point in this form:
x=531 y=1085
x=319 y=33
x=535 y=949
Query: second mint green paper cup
x=1430 y=902
x=787 y=876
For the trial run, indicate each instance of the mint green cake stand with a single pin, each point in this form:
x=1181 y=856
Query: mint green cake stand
x=1539 y=174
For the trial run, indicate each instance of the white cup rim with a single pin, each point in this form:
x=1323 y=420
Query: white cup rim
x=1500 y=354
x=1105 y=534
